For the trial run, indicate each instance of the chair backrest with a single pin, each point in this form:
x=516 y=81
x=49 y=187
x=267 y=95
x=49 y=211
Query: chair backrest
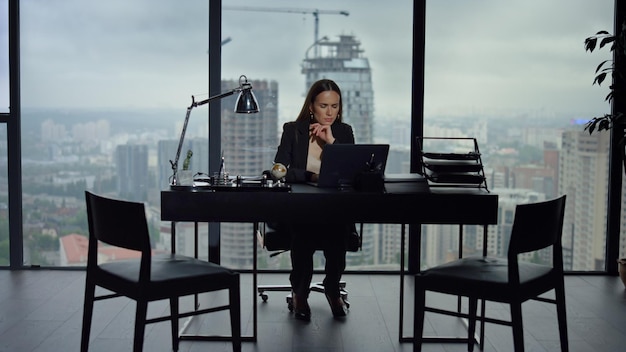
x=118 y=223
x=537 y=226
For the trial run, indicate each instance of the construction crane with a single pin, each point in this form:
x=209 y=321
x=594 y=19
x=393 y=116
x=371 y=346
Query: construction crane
x=314 y=12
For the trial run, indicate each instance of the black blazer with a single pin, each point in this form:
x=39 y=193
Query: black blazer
x=294 y=147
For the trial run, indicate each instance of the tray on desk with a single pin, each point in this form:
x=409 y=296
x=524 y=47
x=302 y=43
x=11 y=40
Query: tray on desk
x=457 y=178
x=444 y=166
x=451 y=169
x=452 y=156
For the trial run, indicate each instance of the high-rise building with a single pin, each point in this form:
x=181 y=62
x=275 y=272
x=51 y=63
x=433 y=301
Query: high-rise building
x=133 y=178
x=249 y=144
x=343 y=62
x=583 y=177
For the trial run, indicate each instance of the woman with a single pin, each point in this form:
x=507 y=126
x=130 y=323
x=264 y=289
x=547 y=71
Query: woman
x=319 y=123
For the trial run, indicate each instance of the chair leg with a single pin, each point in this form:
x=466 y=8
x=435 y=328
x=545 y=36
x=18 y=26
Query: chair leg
x=140 y=325
x=174 y=322
x=90 y=290
x=235 y=315
x=517 y=326
x=561 y=316
x=471 y=329
x=481 y=340
x=418 y=317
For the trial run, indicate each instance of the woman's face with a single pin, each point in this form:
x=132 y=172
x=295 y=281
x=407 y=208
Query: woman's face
x=325 y=107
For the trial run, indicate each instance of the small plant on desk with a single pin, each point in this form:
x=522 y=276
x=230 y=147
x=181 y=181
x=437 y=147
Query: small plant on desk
x=187 y=160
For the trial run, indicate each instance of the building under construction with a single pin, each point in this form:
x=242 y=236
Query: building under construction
x=343 y=62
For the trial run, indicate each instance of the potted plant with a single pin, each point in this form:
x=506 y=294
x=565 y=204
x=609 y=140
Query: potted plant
x=187 y=160
x=613 y=69
x=186 y=175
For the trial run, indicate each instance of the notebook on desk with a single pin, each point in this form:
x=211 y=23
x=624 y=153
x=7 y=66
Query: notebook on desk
x=342 y=162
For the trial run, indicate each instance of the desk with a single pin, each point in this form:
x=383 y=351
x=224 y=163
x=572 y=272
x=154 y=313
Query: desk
x=401 y=203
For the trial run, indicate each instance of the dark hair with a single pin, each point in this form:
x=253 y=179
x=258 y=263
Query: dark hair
x=323 y=85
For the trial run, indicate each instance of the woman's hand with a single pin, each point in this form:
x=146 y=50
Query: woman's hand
x=324 y=132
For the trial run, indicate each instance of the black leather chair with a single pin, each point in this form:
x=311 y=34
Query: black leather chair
x=507 y=280
x=278 y=242
x=150 y=278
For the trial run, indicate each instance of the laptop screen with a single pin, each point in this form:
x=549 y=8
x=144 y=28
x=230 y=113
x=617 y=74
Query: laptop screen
x=342 y=162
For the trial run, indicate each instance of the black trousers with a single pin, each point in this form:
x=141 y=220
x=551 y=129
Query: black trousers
x=306 y=239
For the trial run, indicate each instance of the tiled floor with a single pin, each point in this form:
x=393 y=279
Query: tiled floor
x=41 y=310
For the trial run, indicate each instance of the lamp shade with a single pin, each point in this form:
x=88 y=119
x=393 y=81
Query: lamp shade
x=246 y=102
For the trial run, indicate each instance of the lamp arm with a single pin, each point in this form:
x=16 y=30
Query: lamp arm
x=210 y=99
x=182 y=133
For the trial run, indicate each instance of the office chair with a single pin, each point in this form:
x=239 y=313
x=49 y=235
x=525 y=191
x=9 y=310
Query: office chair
x=150 y=278
x=505 y=280
x=278 y=242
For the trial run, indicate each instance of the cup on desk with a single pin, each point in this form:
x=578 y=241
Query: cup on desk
x=185 y=178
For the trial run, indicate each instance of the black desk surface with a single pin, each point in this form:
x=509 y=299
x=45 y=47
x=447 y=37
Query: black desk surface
x=402 y=202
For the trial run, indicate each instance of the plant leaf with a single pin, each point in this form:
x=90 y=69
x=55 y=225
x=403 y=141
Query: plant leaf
x=600 y=65
x=591 y=125
x=600 y=78
x=604 y=125
x=607 y=40
x=590 y=43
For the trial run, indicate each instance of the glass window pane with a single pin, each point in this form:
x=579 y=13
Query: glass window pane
x=4 y=198
x=105 y=87
x=4 y=56
x=366 y=49
x=622 y=240
x=516 y=76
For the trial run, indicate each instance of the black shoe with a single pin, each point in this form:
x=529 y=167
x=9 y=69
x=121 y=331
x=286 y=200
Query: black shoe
x=301 y=308
x=337 y=306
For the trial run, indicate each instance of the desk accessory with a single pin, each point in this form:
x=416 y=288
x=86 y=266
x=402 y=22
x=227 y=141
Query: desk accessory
x=342 y=162
x=246 y=104
x=278 y=171
x=451 y=168
x=225 y=183
x=371 y=178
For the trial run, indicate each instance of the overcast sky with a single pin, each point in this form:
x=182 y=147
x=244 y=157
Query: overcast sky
x=482 y=56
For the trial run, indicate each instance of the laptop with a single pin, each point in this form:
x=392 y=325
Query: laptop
x=342 y=162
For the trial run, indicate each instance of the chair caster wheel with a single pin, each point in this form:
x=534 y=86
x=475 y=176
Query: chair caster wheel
x=263 y=297
x=289 y=303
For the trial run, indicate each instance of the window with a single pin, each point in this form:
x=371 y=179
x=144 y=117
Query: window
x=4 y=109
x=4 y=56
x=367 y=50
x=515 y=75
x=4 y=199
x=105 y=86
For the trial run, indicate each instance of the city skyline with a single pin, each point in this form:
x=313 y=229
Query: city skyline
x=461 y=53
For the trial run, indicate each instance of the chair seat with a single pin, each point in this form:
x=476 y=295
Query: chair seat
x=486 y=277
x=170 y=275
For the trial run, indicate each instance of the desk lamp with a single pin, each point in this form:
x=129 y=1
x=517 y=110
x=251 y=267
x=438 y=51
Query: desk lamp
x=246 y=104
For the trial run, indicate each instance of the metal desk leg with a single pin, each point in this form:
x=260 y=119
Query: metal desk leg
x=402 y=244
